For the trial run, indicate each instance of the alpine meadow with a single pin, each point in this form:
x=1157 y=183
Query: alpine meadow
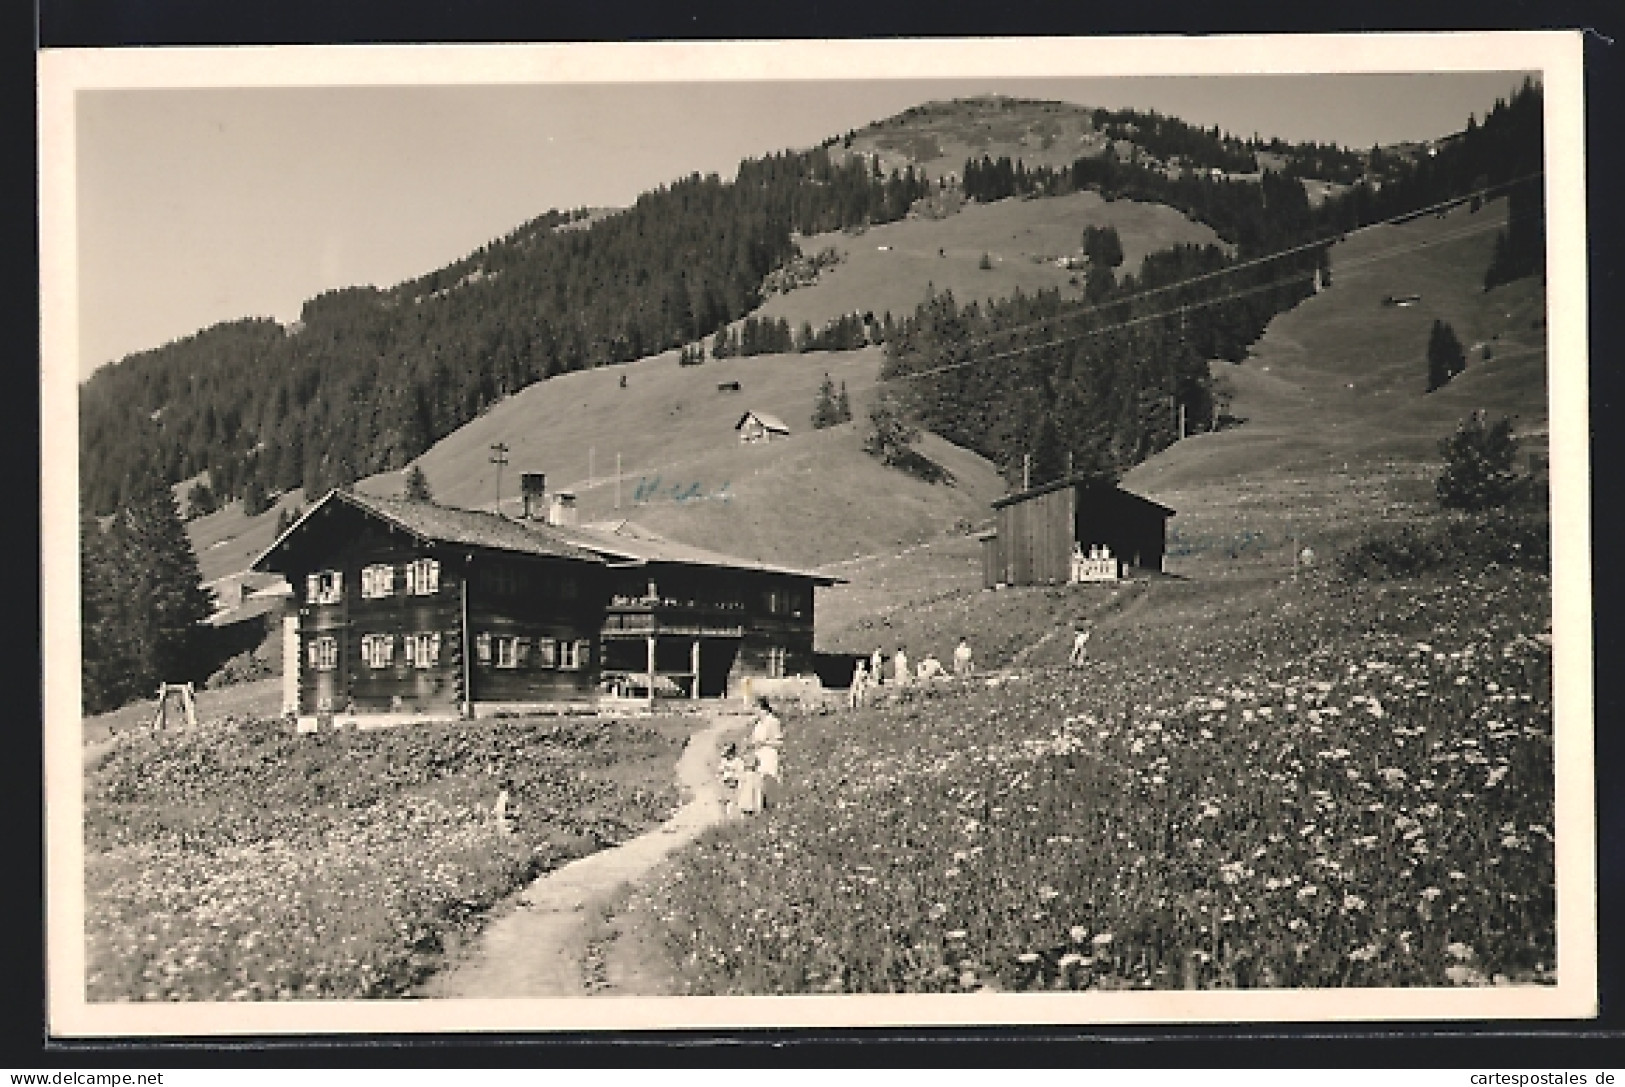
x=1012 y=546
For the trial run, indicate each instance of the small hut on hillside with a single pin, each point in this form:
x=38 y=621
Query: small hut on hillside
x=1040 y=534
x=759 y=426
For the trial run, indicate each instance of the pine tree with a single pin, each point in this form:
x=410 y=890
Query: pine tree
x=1445 y=356
x=254 y=500
x=1049 y=459
x=825 y=413
x=144 y=601
x=417 y=485
x=105 y=649
x=1479 y=459
x=891 y=433
x=200 y=501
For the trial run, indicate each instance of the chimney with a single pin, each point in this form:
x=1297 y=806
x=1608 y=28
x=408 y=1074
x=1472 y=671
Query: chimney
x=561 y=509
x=533 y=488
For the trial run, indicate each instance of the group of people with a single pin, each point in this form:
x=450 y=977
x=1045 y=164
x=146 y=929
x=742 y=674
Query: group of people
x=751 y=782
x=867 y=675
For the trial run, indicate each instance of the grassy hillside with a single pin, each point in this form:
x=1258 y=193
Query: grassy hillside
x=888 y=267
x=1339 y=429
x=671 y=419
x=811 y=498
x=1338 y=434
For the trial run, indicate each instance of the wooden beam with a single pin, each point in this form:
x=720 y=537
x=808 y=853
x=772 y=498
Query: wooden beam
x=651 y=671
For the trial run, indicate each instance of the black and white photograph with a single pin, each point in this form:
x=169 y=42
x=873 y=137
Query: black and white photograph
x=650 y=536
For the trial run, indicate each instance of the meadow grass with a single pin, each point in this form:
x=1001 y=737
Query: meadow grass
x=241 y=861
x=1310 y=784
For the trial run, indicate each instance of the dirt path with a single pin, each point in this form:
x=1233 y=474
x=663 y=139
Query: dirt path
x=536 y=949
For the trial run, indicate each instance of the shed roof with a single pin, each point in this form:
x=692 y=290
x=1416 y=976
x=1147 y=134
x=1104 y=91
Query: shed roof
x=631 y=542
x=442 y=524
x=1083 y=483
x=771 y=422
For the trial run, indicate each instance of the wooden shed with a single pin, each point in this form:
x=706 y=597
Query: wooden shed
x=759 y=426
x=1039 y=531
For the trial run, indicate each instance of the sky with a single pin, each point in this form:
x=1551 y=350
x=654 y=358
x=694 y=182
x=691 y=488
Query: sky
x=200 y=205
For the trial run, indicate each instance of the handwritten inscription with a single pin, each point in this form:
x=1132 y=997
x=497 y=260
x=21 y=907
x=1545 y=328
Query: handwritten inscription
x=652 y=489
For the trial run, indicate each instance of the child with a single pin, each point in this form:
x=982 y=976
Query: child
x=750 y=789
x=501 y=812
x=729 y=771
x=1080 y=642
x=856 y=692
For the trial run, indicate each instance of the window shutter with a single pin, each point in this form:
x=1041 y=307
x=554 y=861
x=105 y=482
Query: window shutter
x=482 y=647
x=313 y=588
x=434 y=648
x=521 y=652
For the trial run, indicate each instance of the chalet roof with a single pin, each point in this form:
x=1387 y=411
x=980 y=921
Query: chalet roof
x=771 y=422
x=444 y=525
x=1084 y=483
x=631 y=542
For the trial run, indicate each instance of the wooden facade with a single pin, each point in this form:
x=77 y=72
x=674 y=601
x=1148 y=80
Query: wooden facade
x=1037 y=531
x=409 y=608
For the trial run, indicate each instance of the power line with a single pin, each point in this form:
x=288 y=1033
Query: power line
x=1185 y=306
x=1266 y=258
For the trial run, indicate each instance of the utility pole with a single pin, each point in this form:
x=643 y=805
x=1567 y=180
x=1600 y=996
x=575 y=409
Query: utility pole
x=499 y=457
x=1026 y=471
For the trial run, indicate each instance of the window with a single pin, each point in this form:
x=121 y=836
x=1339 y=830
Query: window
x=423 y=577
x=323 y=653
x=775 y=662
x=482 y=647
x=423 y=650
x=512 y=652
x=325 y=587
x=574 y=655
x=777 y=601
x=377 y=581
x=378 y=650
x=547 y=655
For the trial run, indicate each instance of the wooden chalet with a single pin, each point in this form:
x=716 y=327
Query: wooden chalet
x=695 y=621
x=404 y=607
x=1041 y=534
x=759 y=426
